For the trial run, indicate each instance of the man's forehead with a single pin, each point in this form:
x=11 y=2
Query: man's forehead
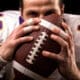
x=39 y=2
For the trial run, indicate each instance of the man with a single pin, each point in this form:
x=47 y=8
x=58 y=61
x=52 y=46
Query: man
x=37 y=9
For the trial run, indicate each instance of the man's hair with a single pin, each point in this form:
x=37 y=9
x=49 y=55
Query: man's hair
x=21 y=3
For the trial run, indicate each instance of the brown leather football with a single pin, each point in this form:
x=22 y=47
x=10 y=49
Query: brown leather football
x=29 y=63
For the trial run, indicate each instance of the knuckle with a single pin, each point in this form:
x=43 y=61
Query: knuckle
x=68 y=38
x=65 y=44
x=64 y=25
x=11 y=43
x=71 y=35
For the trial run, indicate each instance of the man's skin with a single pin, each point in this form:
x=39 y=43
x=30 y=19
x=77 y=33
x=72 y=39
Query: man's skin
x=37 y=9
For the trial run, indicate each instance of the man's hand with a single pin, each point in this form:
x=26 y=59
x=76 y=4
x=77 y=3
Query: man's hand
x=17 y=37
x=66 y=58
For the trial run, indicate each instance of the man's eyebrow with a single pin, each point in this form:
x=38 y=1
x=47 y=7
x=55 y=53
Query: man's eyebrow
x=51 y=10
x=32 y=11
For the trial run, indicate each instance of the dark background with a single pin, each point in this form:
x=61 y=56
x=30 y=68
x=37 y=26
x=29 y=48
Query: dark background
x=71 y=6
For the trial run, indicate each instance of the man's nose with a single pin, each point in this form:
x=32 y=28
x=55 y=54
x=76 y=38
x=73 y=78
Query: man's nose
x=41 y=16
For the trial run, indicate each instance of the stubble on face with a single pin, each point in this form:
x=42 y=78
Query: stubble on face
x=40 y=6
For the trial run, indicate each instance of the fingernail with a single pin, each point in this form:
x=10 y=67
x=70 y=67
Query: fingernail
x=53 y=37
x=45 y=53
x=28 y=28
x=31 y=38
x=63 y=34
x=30 y=21
x=36 y=27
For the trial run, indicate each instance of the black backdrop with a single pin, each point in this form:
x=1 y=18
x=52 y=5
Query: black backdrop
x=71 y=6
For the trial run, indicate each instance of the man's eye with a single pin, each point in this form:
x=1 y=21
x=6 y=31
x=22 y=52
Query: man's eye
x=49 y=12
x=32 y=14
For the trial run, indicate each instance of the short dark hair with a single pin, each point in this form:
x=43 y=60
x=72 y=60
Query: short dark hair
x=21 y=3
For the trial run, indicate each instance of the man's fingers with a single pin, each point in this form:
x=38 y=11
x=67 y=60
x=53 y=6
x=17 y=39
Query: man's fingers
x=64 y=25
x=60 y=40
x=69 y=32
x=54 y=28
x=26 y=27
x=30 y=28
x=60 y=32
x=24 y=39
x=65 y=46
x=26 y=30
x=67 y=29
x=52 y=56
x=30 y=22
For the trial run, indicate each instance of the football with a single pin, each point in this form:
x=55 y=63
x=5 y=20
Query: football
x=29 y=63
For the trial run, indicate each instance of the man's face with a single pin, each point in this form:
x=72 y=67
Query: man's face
x=40 y=8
